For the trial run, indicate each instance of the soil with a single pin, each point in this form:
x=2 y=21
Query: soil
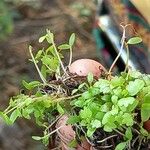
x=62 y=19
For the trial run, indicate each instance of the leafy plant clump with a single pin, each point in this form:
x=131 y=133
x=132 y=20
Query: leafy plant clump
x=114 y=106
x=109 y=112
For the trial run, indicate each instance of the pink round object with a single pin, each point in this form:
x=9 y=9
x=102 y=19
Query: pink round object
x=84 y=66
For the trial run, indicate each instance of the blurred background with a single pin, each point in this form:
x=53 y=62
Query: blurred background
x=96 y=24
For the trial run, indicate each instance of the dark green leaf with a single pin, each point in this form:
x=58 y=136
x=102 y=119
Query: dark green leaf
x=134 y=40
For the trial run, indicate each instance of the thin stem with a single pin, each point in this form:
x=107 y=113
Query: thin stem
x=62 y=66
x=122 y=44
x=106 y=139
x=140 y=142
x=119 y=132
x=127 y=62
x=53 y=122
x=52 y=132
x=39 y=72
x=67 y=98
x=70 y=59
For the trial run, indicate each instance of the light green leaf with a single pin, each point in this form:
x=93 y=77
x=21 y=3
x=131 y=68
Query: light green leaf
x=127 y=119
x=128 y=133
x=145 y=111
x=121 y=146
x=15 y=114
x=72 y=39
x=86 y=113
x=73 y=143
x=126 y=101
x=44 y=71
x=64 y=46
x=39 y=53
x=60 y=109
x=5 y=118
x=134 y=40
x=90 y=131
x=41 y=39
x=135 y=86
x=37 y=138
x=96 y=124
x=90 y=78
x=73 y=119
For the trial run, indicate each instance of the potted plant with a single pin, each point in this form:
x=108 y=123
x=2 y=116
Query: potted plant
x=87 y=106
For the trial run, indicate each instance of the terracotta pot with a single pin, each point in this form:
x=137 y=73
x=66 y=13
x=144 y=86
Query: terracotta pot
x=147 y=125
x=67 y=134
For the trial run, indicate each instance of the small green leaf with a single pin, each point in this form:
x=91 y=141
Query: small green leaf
x=73 y=143
x=60 y=109
x=5 y=118
x=37 y=138
x=90 y=78
x=134 y=40
x=74 y=91
x=41 y=39
x=90 y=131
x=144 y=132
x=86 y=113
x=64 y=46
x=81 y=86
x=96 y=124
x=121 y=146
x=73 y=119
x=72 y=39
x=127 y=119
x=128 y=133
x=15 y=114
x=38 y=55
x=135 y=86
x=145 y=111
x=44 y=71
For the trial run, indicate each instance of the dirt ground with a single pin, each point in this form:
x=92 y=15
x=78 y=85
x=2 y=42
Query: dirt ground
x=62 y=18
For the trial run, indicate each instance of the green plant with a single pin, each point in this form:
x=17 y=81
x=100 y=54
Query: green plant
x=43 y=99
x=116 y=106
x=113 y=105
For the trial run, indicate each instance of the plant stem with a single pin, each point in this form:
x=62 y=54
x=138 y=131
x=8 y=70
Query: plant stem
x=67 y=98
x=39 y=72
x=106 y=139
x=127 y=49
x=52 y=132
x=70 y=60
x=62 y=66
x=119 y=132
x=122 y=44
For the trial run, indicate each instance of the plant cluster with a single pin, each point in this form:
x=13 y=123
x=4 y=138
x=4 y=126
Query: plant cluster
x=114 y=105
x=117 y=105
